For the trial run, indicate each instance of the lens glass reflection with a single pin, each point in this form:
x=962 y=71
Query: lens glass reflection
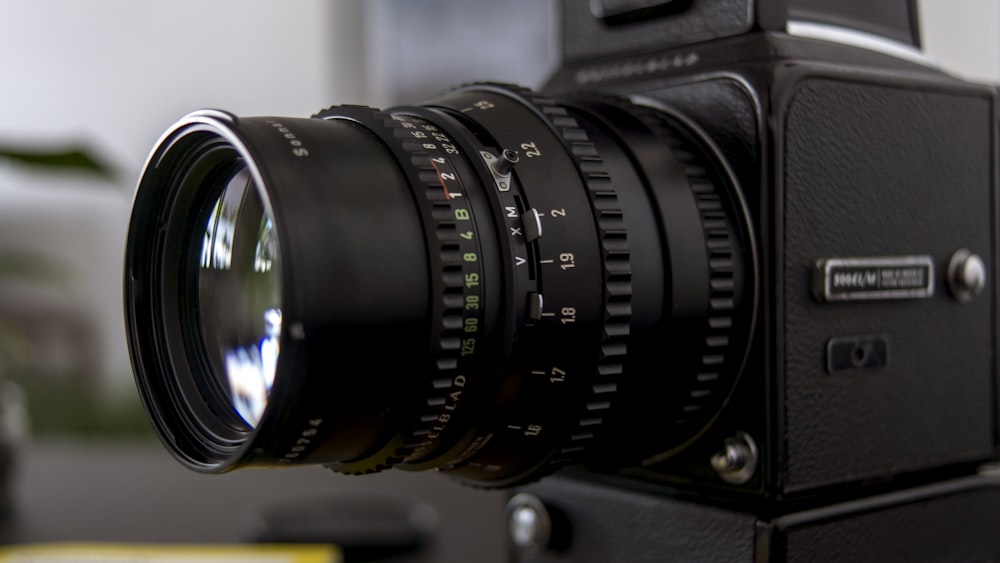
x=239 y=292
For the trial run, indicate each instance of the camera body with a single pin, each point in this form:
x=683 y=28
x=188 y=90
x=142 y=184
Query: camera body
x=871 y=182
x=867 y=407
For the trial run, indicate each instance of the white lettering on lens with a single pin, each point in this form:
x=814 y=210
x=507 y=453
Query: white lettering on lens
x=455 y=396
x=304 y=441
x=297 y=148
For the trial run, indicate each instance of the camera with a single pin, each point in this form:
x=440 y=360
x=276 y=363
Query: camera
x=740 y=253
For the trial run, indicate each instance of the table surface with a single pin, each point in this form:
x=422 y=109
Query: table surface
x=135 y=492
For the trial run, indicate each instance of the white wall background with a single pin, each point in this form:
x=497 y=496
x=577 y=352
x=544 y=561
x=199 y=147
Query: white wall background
x=116 y=73
x=963 y=36
x=120 y=71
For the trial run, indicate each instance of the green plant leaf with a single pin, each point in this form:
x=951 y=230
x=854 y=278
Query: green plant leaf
x=26 y=266
x=74 y=158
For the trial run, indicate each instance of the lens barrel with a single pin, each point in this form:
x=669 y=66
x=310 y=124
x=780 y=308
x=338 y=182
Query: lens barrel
x=493 y=284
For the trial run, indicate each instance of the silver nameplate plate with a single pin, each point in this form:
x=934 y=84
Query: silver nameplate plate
x=873 y=278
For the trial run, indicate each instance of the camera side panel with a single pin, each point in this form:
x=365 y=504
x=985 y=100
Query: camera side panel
x=900 y=175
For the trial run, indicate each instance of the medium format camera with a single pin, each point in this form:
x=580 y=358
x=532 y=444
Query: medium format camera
x=737 y=252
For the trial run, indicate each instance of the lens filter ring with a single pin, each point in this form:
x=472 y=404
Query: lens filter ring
x=191 y=414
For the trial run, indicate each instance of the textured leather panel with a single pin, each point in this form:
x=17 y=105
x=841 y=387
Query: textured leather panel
x=946 y=521
x=955 y=521
x=883 y=171
x=612 y=524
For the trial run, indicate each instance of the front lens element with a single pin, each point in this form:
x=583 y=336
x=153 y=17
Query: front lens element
x=239 y=294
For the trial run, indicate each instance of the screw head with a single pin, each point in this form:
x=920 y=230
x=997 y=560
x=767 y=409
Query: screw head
x=966 y=275
x=736 y=462
x=528 y=523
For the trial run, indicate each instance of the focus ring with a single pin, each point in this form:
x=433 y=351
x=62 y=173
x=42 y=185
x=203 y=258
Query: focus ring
x=714 y=370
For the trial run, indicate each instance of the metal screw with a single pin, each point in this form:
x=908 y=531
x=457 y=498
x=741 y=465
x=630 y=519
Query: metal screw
x=528 y=523
x=732 y=458
x=966 y=275
x=736 y=463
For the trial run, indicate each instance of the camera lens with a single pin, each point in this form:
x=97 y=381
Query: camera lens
x=239 y=294
x=493 y=284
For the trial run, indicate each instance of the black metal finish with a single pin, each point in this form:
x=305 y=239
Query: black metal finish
x=602 y=28
x=824 y=144
x=894 y=19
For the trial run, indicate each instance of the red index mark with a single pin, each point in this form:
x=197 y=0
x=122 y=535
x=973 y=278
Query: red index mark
x=440 y=178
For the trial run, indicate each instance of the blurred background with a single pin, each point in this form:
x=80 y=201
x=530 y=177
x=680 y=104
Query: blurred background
x=85 y=91
x=108 y=77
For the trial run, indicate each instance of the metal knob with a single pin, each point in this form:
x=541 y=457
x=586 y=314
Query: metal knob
x=506 y=162
x=966 y=275
x=736 y=462
x=528 y=523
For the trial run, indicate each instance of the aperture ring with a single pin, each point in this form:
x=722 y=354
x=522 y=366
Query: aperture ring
x=617 y=277
x=551 y=368
x=616 y=267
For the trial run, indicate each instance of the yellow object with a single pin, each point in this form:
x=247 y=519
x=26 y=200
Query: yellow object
x=168 y=553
